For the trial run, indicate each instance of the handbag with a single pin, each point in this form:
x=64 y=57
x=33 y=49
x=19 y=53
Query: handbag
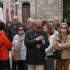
x=16 y=54
x=57 y=54
x=17 y=51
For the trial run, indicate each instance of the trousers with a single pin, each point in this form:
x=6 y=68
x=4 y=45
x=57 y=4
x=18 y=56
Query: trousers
x=35 y=67
x=62 y=64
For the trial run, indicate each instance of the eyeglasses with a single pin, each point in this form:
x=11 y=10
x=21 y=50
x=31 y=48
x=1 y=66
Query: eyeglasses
x=63 y=27
x=20 y=29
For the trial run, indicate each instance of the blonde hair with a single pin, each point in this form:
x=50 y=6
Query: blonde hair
x=65 y=25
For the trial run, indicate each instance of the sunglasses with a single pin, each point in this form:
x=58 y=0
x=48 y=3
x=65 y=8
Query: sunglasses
x=20 y=29
x=63 y=27
x=39 y=27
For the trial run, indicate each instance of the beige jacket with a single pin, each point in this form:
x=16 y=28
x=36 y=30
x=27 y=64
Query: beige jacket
x=65 y=47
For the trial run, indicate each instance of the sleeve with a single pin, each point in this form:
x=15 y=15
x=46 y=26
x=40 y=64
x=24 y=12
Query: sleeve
x=14 y=42
x=6 y=41
x=65 y=45
x=51 y=46
x=29 y=42
x=46 y=43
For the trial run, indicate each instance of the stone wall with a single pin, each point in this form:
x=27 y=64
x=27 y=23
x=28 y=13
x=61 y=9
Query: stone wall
x=43 y=9
x=47 y=9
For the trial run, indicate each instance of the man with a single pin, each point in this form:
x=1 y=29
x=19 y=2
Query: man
x=56 y=22
x=36 y=41
x=29 y=23
x=12 y=29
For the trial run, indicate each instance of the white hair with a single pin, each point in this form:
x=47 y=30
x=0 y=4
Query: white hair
x=31 y=19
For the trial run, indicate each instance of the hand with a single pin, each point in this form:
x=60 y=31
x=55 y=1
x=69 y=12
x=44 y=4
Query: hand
x=58 y=44
x=39 y=38
x=38 y=46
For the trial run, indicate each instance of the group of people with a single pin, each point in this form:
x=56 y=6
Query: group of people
x=36 y=41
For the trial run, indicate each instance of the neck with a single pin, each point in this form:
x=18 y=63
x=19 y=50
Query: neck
x=63 y=34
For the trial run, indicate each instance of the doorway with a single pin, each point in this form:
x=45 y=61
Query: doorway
x=66 y=8
x=25 y=12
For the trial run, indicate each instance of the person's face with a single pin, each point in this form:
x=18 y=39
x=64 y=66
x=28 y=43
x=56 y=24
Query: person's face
x=45 y=28
x=15 y=21
x=8 y=24
x=63 y=29
x=56 y=22
x=38 y=26
x=29 y=23
x=20 y=30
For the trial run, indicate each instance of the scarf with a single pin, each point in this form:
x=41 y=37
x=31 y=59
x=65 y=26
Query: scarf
x=20 y=41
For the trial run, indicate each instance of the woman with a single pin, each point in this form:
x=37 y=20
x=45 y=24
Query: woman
x=48 y=28
x=64 y=46
x=18 y=42
x=5 y=46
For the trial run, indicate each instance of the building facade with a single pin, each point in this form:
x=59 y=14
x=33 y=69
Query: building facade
x=43 y=9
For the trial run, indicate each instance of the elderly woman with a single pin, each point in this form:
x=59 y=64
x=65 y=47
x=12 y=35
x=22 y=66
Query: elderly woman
x=19 y=59
x=63 y=44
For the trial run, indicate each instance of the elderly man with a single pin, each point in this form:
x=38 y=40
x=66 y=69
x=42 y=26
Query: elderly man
x=36 y=41
x=12 y=29
x=29 y=23
x=56 y=22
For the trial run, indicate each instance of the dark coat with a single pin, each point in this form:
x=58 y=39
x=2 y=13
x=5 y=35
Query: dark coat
x=35 y=55
x=12 y=30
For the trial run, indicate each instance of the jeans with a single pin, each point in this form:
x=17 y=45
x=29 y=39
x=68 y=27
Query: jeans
x=4 y=64
x=16 y=65
x=23 y=65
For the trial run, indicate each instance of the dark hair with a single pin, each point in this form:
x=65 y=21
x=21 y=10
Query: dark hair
x=44 y=22
x=2 y=25
x=20 y=26
x=8 y=23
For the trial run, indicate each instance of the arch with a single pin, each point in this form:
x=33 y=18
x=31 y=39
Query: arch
x=25 y=11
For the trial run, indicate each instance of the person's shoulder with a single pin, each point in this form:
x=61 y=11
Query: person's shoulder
x=2 y=34
x=29 y=30
x=16 y=36
x=69 y=36
x=10 y=26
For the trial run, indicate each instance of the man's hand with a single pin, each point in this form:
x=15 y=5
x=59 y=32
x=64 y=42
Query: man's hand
x=39 y=38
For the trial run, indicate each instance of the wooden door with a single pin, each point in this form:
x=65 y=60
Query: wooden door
x=25 y=12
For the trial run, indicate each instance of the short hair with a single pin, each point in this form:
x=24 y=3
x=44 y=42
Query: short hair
x=21 y=26
x=15 y=17
x=31 y=19
x=2 y=25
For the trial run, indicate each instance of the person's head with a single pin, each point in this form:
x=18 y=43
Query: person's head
x=37 y=25
x=15 y=19
x=21 y=30
x=29 y=22
x=2 y=25
x=63 y=28
x=8 y=23
x=56 y=20
x=44 y=22
x=48 y=28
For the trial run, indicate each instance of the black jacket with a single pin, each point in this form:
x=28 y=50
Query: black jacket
x=35 y=55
